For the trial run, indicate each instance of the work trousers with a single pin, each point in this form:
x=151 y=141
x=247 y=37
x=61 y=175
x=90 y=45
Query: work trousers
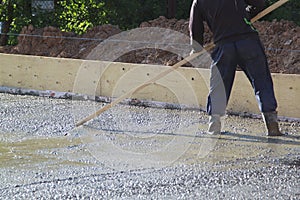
x=249 y=55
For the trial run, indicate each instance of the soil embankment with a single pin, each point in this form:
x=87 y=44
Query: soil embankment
x=280 y=38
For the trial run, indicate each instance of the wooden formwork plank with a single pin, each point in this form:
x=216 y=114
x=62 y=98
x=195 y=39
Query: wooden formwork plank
x=187 y=86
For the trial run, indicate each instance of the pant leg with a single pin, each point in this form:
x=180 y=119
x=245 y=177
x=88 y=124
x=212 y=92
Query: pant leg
x=222 y=75
x=254 y=63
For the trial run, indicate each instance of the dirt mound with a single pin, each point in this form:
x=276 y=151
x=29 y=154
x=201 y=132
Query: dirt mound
x=51 y=41
x=280 y=38
x=176 y=25
x=157 y=56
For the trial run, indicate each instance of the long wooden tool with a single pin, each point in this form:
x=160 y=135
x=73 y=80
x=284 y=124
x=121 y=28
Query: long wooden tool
x=172 y=68
x=145 y=84
x=268 y=10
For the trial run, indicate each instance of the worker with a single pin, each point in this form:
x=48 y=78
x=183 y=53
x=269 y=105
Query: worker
x=237 y=43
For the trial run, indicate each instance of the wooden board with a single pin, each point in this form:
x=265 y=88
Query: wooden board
x=187 y=86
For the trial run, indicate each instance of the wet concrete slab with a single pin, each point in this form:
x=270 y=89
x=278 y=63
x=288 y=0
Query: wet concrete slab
x=140 y=153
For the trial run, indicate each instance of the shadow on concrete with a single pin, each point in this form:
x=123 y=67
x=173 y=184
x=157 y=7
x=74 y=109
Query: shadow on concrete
x=227 y=136
x=286 y=139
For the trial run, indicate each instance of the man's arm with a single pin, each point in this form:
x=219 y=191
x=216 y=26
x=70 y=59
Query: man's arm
x=255 y=6
x=196 y=27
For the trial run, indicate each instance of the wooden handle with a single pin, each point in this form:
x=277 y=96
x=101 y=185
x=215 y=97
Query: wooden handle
x=145 y=84
x=172 y=68
x=268 y=10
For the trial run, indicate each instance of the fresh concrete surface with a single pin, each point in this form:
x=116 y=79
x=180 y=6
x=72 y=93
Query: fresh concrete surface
x=139 y=153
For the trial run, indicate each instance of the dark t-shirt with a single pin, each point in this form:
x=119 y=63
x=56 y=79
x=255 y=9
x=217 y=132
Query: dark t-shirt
x=227 y=19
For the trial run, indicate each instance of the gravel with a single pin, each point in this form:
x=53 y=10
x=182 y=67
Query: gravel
x=139 y=153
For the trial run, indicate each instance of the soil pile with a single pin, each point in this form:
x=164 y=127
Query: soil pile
x=280 y=38
x=53 y=42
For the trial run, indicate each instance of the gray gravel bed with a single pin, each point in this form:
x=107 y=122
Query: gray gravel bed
x=139 y=153
x=177 y=182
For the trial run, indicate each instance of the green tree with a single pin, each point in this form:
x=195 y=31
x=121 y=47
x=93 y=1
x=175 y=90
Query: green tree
x=41 y=18
x=129 y=14
x=289 y=11
x=14 y=14
x=184 y=9
x=79 y=15
x=69 y=15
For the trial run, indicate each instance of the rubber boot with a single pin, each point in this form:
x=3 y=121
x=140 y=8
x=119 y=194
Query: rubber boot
x=271 y=123
x=214 y=125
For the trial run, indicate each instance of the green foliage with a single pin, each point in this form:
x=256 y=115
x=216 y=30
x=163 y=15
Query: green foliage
x=41 y=18
x=16 y=14
x=289 y=11
x=183 y=9
x=69 y=15
x=79 y=15
x=129 y=14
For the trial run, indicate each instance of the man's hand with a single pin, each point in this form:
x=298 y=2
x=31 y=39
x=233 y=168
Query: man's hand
x=254 y=7
x=252 y=11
